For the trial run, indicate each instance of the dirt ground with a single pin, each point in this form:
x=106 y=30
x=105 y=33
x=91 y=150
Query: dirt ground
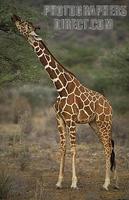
x=31 y=169
x=89 y=188
x=90 y=179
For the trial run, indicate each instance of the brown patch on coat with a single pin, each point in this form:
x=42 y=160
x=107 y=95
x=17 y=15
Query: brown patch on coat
x=70 y=87
x=43 y=60
x=101 y=117
x=63 y=80
x=39 y=53
x=66 y=115
x=76 y=82
x=51 y=73
x=57 y=71
x=63 y=93
x=75 y=108
x=83 y=97
x=70 y=99
x=77 y=92
x=60 y=68
x=79 y=102
x=52 y=64
x=83 y=115
x=82 y=89
x=101 y=100
x=99 y=109
x=48 y=57
x=107 y=110
x=58 y=84
x=68 y=77
x=86 y=102
x=68 y=109
x=35 y=44
x=88 y=110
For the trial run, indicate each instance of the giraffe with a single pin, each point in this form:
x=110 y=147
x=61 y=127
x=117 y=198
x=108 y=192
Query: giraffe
x=75 y=104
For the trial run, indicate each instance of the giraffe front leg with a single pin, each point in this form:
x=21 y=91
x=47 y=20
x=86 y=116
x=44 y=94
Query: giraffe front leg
x=72 y=132
x=62 y=132
x=74 y=177
x=61 y=171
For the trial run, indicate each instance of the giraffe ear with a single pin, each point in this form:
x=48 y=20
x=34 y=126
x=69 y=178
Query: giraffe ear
x=15 y=18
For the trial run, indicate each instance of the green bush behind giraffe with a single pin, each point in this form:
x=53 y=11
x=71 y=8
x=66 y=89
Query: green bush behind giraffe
x=99 y=60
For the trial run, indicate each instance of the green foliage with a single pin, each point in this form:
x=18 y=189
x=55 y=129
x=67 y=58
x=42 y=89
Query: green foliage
x=73 y=54
x=10 y=7
x=114 y=76
x=120 y=103
x=17 y=60
x=118 y=61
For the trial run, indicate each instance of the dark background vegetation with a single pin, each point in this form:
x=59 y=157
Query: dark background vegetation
x=100 y=60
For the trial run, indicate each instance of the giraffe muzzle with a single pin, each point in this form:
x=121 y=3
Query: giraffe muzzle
x=15 y=18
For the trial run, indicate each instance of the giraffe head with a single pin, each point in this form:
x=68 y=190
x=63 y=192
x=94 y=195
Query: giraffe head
x=27 y=29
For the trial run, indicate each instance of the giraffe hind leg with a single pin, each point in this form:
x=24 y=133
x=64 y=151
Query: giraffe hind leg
x=109 y=152
x=110 y=163
x=97 y=130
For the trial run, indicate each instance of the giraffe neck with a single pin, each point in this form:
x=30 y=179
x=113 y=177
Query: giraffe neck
x=61 y=77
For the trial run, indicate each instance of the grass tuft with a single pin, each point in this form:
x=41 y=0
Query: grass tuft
x=5 y=184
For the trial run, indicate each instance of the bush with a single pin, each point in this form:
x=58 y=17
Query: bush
x=23 y=113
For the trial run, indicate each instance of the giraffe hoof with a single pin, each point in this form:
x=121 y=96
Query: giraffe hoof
x=58 y=186
x=74 y=187
x=105 y=187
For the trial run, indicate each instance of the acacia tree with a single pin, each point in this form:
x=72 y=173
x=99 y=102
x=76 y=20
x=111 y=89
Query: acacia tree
x=17 y=60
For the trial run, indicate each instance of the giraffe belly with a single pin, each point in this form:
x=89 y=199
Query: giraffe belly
x=83 y=117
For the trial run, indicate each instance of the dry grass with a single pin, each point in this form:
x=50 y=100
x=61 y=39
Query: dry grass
x=5 y=184
x=33 y=163
x=9 y=129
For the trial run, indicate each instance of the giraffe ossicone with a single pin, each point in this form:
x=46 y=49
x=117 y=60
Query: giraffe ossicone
x=75 y=104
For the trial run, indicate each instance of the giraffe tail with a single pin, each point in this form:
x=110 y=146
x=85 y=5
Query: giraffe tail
x=112 y=158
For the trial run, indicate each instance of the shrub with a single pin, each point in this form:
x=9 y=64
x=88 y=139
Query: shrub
x=23 y=113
